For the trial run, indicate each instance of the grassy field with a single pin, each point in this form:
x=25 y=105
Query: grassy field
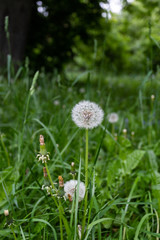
x=124 y=180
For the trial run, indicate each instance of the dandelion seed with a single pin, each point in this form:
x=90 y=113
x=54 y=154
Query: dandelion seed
x=87 y=115
x=70 y=188
x=113 y=117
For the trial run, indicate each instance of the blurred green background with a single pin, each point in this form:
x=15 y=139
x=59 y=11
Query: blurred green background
x=118 y=36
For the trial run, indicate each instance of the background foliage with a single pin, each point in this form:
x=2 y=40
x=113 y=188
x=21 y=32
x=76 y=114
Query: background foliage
x=76 y=32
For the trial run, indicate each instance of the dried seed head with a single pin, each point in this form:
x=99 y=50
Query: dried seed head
x=6 y=212
x=61 y=182
x=41 y=140
x=44 y=172
x=69 y=197
x=132 y=133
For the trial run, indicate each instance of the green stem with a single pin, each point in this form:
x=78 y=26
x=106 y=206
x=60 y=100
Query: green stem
x=50 y=179
x=86 y=184
x=49 y=176
x=13 y=233
x=58 y=206
x=5 y=150
x=60 y=219
x=113 y=129
x=150 y=124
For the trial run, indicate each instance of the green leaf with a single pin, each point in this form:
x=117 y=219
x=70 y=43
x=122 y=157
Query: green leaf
x=133 y=160
x=152 y=160
x=124 y=142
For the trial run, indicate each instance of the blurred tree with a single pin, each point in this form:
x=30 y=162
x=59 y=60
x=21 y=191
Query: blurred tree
x=56 y=27
x=59 y=26
x=19 y=12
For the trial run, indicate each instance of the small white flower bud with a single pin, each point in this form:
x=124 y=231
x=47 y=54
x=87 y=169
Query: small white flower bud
x=124 y=130
x=6 y=212
x=152 y=97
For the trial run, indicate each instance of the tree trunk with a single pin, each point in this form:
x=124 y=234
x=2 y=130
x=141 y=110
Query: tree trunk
x=19 y=13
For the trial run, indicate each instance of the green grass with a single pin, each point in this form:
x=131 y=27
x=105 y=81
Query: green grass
x=124 y=179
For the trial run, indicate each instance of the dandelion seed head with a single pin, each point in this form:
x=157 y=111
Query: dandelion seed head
x=113 y=117
x=70 y=188
x=87 y=115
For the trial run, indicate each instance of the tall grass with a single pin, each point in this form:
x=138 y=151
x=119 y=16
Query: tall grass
x=114 y=211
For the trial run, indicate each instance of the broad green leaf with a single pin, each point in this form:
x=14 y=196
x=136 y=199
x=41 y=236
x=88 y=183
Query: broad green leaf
x=133 y=160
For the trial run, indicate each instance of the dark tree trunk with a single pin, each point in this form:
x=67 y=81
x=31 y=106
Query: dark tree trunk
x=19 y=13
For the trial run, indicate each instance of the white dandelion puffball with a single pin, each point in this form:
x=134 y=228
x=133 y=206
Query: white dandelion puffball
x=87 y=114
x=113 y=117
x=70 y=188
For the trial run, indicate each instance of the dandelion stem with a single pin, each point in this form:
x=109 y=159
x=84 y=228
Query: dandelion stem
x=86 y=183
x=58 y=206
x=113 y=129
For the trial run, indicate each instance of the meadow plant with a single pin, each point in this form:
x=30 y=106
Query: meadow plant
x=87 y=115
